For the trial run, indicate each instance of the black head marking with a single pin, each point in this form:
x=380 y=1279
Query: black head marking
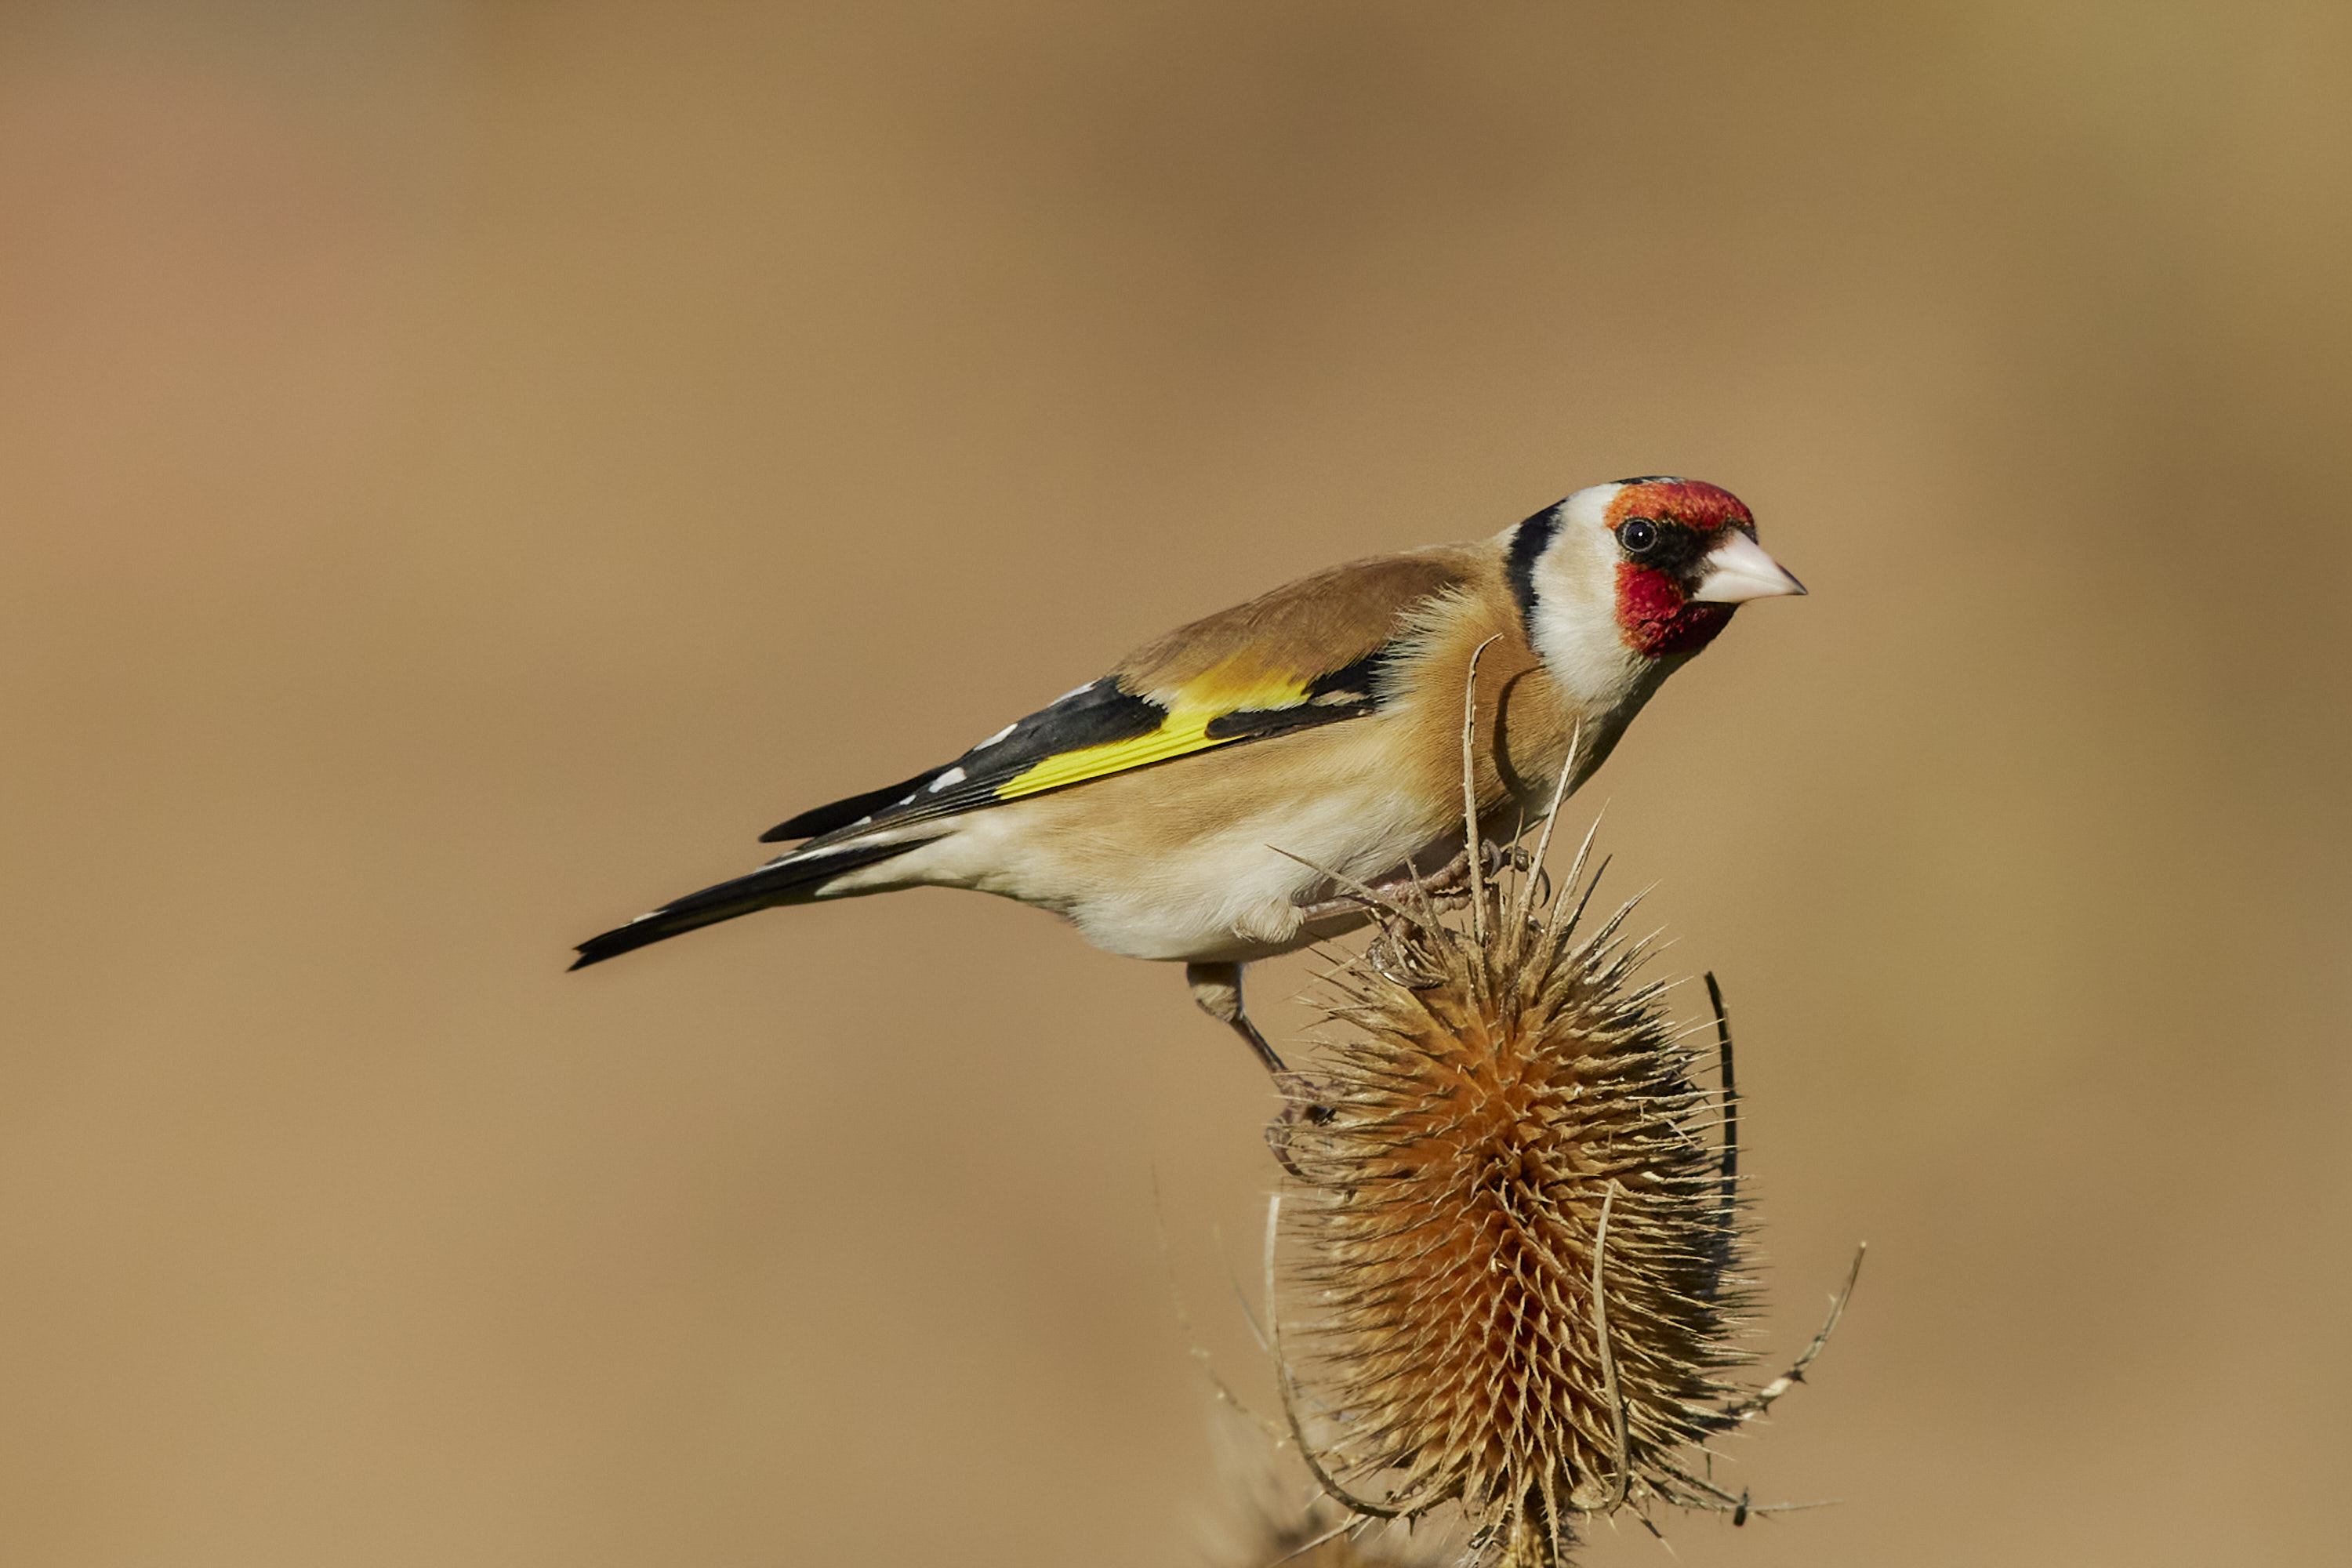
x=1528 y=542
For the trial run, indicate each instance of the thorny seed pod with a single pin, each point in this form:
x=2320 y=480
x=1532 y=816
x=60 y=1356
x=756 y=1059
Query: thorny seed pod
x=1512 y=1262
x=1511 y=1253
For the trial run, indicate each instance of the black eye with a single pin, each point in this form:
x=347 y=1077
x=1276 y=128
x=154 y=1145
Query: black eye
x=1637 y=534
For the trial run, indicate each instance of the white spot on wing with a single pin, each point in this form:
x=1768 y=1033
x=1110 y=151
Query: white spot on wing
x=1001 y=734
x=1073 y=691
x=947 y=780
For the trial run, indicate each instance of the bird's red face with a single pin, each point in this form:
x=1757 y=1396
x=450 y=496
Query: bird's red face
x=1687 y=558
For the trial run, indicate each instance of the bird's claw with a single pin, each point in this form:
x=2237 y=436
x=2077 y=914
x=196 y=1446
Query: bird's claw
x=1304 y=1106
x=1497 y=856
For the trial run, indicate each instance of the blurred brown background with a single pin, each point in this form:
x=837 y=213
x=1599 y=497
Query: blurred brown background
x=469 y=468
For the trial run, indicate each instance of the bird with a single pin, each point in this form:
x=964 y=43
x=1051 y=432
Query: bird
x=1212 y=799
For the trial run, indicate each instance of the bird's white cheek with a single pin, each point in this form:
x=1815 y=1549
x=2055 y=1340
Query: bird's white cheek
x=1585 y=649
x=1574 y=622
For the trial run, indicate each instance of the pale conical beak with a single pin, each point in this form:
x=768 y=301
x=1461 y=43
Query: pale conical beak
x=1737 y=569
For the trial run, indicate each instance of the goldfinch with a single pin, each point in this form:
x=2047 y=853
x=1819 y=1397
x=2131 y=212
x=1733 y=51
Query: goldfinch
x=1194 y=805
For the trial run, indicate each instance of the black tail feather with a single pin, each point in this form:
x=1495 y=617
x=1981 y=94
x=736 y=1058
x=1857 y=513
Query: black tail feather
x=765 y=886
x=843 y=813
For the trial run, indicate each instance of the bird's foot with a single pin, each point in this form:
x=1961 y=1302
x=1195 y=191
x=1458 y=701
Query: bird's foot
x=1446 y=887
x=1306 y=1106
x=1453 y=879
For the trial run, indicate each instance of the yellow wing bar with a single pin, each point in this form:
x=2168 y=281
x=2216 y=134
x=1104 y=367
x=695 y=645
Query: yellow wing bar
x=1186 y=730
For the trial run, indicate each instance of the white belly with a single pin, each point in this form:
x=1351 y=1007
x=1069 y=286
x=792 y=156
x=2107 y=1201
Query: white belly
x=1136 y=884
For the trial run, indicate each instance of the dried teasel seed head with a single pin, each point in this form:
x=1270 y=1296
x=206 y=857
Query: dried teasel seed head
x=1507 y=1272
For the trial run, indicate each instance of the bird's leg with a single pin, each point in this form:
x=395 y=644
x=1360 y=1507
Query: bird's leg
x=1439 y=884
x=1217 y=989
x=1446 y=882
